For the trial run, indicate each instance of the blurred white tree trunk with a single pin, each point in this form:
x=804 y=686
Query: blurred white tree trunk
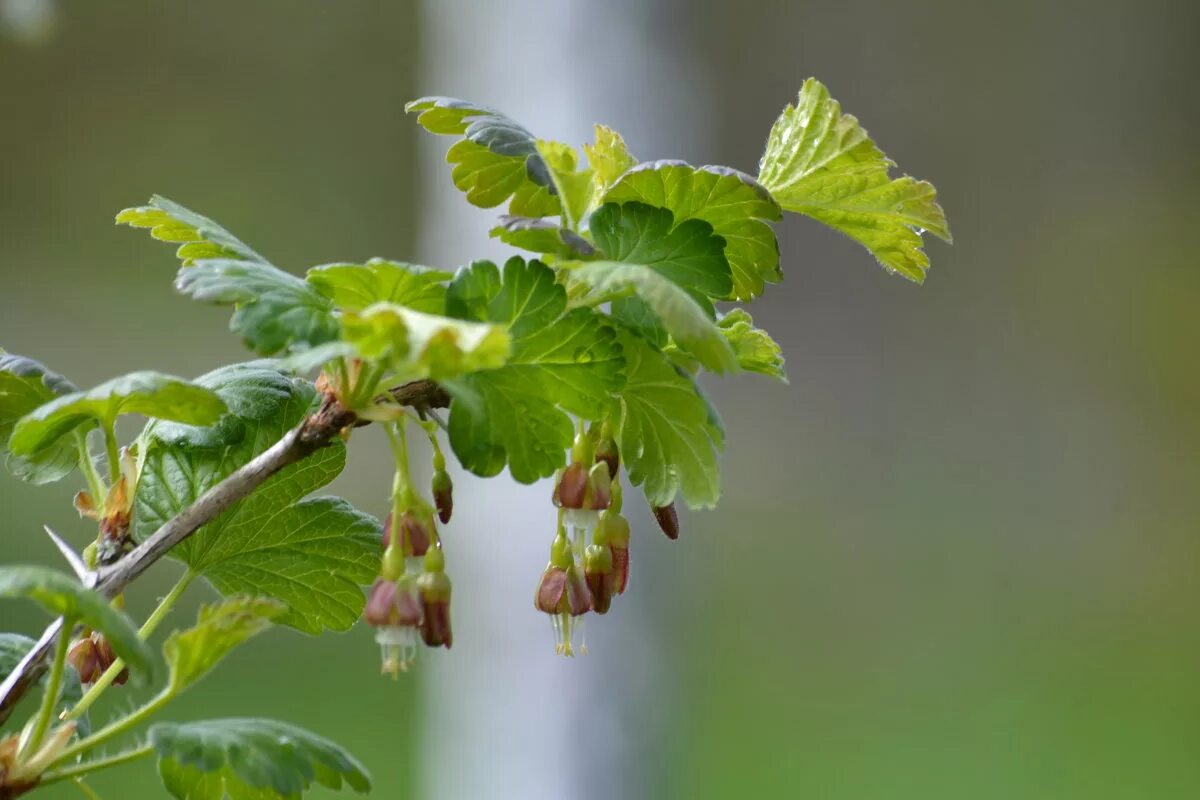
x=503 y=716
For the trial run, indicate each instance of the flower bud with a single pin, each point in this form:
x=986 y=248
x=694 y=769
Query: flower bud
x=600 y=576
x=435 y=591
x=613 y=530
x=416 y=528
x=443 y=495
x=598 y=495
x=606 y=451
x=86 y=661
x=388 y=604
x=668 y=520
x=550 y=590
x=571 y=487
x=107 y=657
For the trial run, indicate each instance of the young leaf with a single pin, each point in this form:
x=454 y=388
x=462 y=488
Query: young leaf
x=311 y=554
x=608 y=158
x=417 y=345
x=497 y=158
x=250 y=759
x=64 y=596
x=756 y=350
x=737 y=206
x=542 y=236
x=574 y=187
x=24 y=385
x=275 y=310
x=688 y=323
x=666 y=431
x=689 y=253
x=353 y=287
x=14 y=647
x=821 y=163
x=151 y=394
x=199 y=236
x=220 y=628
x=516 y=414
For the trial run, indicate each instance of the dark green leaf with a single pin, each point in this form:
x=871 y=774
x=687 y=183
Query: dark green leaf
x=275 y=310
x=64 y=596
x=821 y=163
x=689 y=254
x=736 y=206
x=150 y=394
x=353 y=287
x=667 y=432
x=250 y=759
x=24 y=385
x=199 y=236
x=220 y=628
x=311 y=554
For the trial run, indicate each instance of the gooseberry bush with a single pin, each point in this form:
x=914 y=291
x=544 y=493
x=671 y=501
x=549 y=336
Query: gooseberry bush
x=578 y=360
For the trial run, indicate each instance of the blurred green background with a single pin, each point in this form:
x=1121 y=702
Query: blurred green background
x=957 y=556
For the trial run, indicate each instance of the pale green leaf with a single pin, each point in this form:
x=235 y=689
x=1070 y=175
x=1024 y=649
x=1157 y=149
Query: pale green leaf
x=684 y=318
x=275 y=310
x=496 y=159
x=218 y=630
x=250 y=759
x=667 y=432
x=353 y=287
x=609 y=158
x=64 y=596
x=737 y=207
x=690 y=253
x=313 y=555
x=417 y=345
x=198 y=236
x=26 y=384
x=756 y=350
x=821 y=163
x=150 y=394
x=574 y=187
x=542 y=236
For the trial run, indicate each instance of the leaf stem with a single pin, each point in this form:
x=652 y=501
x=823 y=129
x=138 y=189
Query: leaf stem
x=88 y=467
x=86 y=767
x=117 y=727
x=114 y=452
x=397 y=437
x=87 y=791
x=148 y=627
x=53 y=685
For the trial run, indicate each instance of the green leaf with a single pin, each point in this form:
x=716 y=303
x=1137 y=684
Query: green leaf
x=574 y=187
x=542 y=236
x=417 y=345
x=250 y=759
x=14 y=647
x=496 y=159
x=689 y=253
x=637 y=315
x=821 y=163
x=26 y=384
x=353 y=287
x=200 y=236
x=608 y=158
x=220 y=628
x=64 y=596
x=667 y=433
x=737 y=206
x=311 y=554
x=756 y=350
x=683 y=317
x=517 y=414
x=151 y=394
x=275 y=310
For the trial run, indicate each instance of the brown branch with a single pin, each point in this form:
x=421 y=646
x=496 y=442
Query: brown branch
x=313 y=433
